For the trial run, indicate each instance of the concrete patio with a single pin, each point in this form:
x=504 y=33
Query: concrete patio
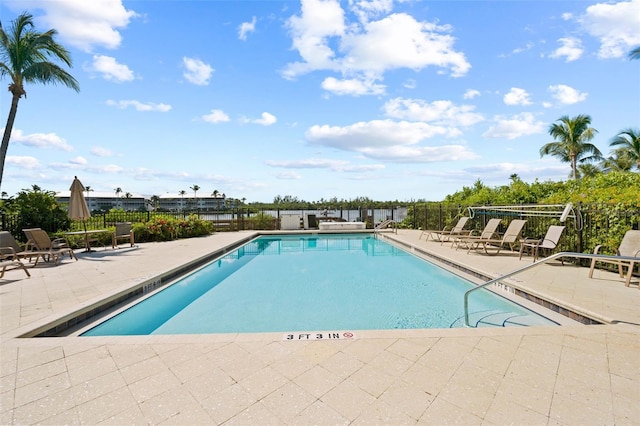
x=566 y=375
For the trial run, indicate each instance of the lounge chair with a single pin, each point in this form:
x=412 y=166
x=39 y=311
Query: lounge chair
x=48 y=248
x=123 y=231
x=7 y=240
x=629 y=246
x=9 y=261
x=549 y=242
x=489 y=231
x=446 y=233
x=511 y=237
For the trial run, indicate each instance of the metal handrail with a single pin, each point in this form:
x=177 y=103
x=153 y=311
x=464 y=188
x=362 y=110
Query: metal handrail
x=538 y=263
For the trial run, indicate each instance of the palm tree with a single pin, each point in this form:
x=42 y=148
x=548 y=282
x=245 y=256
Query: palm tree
x=618 y=162
x=155 y=199
x=628 y=142
x=182 y=192
x=118 y=191
x=572 y=136
x=195 y=189
x=587 y=170
x=635 y=53
x=24 y=54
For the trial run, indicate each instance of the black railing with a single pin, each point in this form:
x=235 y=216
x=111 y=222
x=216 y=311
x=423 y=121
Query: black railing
x=598 y=224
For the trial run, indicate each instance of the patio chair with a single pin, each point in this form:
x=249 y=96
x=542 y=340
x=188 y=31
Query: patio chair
x=446 y=233
x=629 y=246
x=28 y=252
x=549 y=242
x=50 y=249
x=9 y=261
x=123 y=231
x=489 y=231
x=511 y=237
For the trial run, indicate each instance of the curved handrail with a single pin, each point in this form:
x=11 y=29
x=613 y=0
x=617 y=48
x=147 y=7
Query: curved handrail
x=538 y=263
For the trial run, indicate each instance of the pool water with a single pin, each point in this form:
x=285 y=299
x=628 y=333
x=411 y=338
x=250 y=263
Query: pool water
x=314 y=282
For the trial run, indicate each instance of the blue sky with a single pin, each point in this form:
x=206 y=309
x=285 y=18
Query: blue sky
x=391 y=100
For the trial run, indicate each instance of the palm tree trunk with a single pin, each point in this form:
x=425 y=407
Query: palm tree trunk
x=574 y=166
x=7 y=133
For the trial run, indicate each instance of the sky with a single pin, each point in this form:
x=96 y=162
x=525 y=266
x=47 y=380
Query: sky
x=315 y=99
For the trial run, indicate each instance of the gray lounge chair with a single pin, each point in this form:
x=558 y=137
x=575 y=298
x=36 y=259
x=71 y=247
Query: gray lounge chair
x=510 y=238
x=490 y=231
x=629 y=246
x=447 y=233
x=548 y=243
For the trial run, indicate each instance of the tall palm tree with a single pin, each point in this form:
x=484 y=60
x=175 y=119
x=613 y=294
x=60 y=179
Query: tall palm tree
x=24 y=55
x=118 y=191
x=571 y=145
x=182 y=192
x=195 y=189
x=619 y=162
x=628 y=142
x=635 y=53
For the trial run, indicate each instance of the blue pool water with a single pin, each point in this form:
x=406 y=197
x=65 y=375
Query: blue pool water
x=309 y=283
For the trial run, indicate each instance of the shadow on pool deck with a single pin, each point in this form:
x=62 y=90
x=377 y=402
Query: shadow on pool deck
x=538 y=375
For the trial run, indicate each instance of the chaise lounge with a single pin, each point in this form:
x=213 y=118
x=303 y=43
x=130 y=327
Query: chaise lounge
x=630 y=247
x=510 y=238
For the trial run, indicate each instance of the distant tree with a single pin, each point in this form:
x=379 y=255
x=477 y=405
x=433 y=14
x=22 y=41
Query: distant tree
x=628 y=142
x=118 y=191
x=25 y=53
x=635 y=53
x=571 y=142
x=195 y=189
x=182 y=193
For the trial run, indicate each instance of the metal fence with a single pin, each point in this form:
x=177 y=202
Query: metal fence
x=588 y=226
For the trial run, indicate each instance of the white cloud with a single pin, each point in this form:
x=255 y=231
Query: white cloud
x=245 y=28
x=616 y=25
x=566 y=95
x=266 y=119
x=216 y=116
x=368 y=48
x=196 y=71
x=570 y=49
x=353 y=86
x=517 y=96
x=79 y=161
x=40 y=140
x=288 y=175
x=470 y=94
x=139 y=106
x=101 y=152
x=367 y=9
x=322 y=163
x=444 y=113
x=110 y=69
x=84 y=24
x=514 y=127
x=23 y=162
x=389 y=140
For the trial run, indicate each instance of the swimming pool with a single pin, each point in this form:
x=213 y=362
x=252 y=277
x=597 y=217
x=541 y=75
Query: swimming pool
x=314 y=282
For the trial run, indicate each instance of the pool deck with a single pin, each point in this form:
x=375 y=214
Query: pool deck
x=566 y=375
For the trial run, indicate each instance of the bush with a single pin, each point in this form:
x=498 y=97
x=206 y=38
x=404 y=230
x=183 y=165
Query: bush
x=169 y=228
x=263 y=221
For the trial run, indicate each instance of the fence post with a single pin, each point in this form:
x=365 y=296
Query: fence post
x=579 y=214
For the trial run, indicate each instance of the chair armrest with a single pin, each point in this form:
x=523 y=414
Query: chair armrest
x=7 y=253
x=597 y=249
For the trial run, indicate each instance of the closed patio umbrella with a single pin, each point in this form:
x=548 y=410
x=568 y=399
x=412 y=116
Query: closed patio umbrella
x=78 y=208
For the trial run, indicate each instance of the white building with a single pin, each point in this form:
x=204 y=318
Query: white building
x=106 y=201
x=175 y=202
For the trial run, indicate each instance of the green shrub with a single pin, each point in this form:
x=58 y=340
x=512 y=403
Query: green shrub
x=263 y=221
